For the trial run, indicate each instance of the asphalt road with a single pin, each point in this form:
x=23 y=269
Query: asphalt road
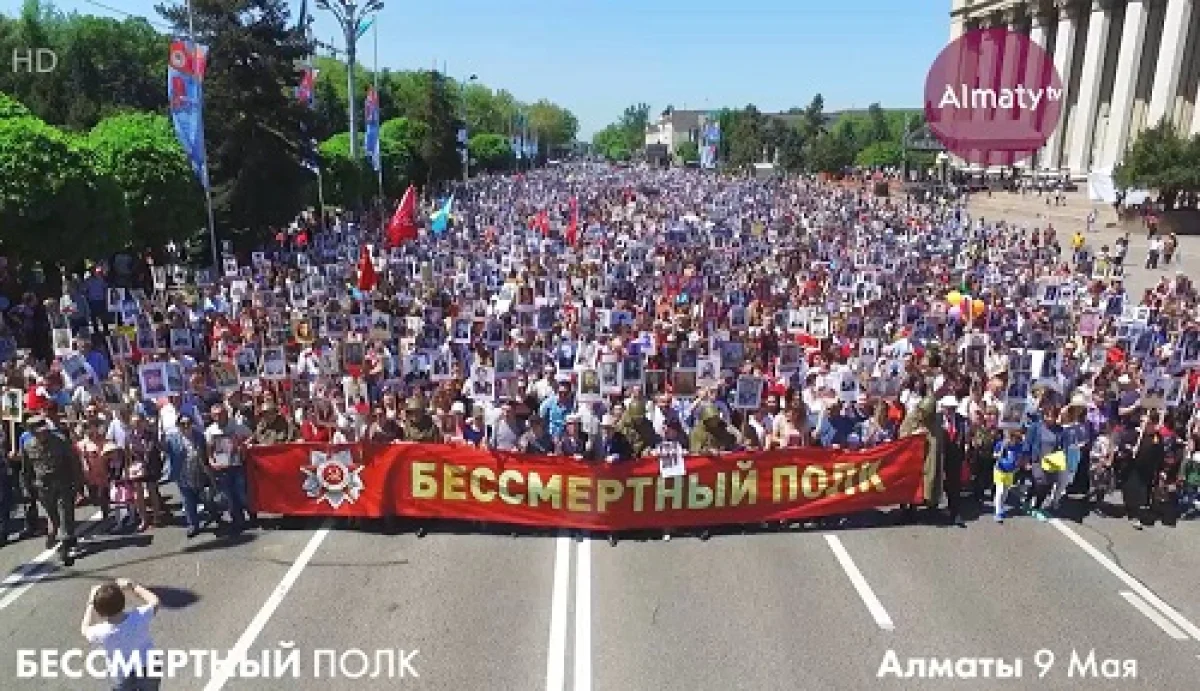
x=815 y=608
x=809 y=608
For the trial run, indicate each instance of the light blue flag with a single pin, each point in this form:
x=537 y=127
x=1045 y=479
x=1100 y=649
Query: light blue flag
x=364 y=27
x=441 y=218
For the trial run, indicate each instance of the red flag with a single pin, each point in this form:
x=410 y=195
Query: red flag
x=366 y=272
x=543 y=222
x=573 y=226
x=403 y=226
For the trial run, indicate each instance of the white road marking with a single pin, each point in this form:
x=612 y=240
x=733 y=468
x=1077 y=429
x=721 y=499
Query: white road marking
x=860 y=584
x=583 y=616
x=1134 y=584
x=239 y=650
x=1152 y=614
x=35 y=570
x=556 y=660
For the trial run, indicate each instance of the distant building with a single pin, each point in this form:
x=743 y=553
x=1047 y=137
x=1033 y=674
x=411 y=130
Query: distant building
x=1127 y=64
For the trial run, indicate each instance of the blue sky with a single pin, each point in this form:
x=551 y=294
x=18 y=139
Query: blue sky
x=598 y=56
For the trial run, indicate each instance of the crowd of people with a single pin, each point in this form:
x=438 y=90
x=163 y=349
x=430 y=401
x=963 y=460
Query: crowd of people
x=596 y=312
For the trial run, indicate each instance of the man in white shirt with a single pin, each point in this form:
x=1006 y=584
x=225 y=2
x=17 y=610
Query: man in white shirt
x=123 y=635
x=227 y=440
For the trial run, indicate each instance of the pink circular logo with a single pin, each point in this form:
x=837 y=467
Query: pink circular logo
x=993 y=97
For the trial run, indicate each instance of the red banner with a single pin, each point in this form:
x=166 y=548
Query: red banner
x=465 y=483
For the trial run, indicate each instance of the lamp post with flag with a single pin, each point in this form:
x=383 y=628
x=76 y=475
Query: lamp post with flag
x=464 y=132
x=350 y=17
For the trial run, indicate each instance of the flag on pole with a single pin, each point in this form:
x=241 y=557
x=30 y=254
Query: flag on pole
x=403 y=226
x=364 y=27
x=440 y=220
x=371 y=117
x=185 y=93
x=367 y=278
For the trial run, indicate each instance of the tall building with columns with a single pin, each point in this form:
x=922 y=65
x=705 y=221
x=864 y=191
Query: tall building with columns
x=1126 y=65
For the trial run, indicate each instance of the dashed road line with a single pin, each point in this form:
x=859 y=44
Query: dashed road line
x=1134 y=584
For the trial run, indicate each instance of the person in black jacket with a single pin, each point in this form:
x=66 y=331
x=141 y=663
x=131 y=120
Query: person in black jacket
x=1142 y=469
x=609 y=445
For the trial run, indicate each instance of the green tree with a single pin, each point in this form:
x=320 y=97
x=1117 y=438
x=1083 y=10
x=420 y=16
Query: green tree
x=163 y=197
x=687 y=152
x=346 y=182
x=832 y=152
x=491 y=151
x=439 y=144
x=103 y=65
x=878 y=129
x=814 y=119
x=748 y=137
x=1161 y=159
x=555 y=126
x=880 y=154
x=612 y=143
x=400 y=154
x=633 y=123
x=253 y=123
x=55 y=206
x=12 y=108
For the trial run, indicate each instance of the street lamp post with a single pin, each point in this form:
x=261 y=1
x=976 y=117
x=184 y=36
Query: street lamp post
x=462 y=99
x=349 y=15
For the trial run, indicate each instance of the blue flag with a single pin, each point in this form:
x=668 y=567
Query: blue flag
x=185 y=94
x=371 y=116
x=440 y=220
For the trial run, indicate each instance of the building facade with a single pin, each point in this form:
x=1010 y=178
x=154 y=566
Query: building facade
x=1126 y=65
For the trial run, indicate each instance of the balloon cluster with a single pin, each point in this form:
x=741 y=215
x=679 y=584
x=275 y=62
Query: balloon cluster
x=959 y=302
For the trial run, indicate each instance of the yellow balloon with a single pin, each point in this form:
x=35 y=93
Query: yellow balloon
x=978 y=307
x=953 y=298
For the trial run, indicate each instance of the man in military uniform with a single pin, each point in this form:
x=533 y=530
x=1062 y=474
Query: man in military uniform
x=921 y=421
x=638 y=429
x=418 y=423
x=711 y=435
x=50 y=465
x=273 y=428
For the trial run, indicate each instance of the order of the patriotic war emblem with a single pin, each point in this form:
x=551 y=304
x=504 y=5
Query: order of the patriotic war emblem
x=332 y=478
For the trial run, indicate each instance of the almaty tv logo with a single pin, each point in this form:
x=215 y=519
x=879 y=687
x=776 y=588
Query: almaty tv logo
x=34 y=60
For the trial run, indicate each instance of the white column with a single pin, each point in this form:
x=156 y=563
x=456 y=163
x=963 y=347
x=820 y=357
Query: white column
x=1195 y=128
x=990 y=50
x=1033 y=72
x=1009 y=66
x=1170 y=61
x=1080 y=147
x=957 y=22
x=1129 y=63
x=1064 y=49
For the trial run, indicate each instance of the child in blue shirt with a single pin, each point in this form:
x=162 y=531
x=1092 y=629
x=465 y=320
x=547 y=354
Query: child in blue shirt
x=1008 y=457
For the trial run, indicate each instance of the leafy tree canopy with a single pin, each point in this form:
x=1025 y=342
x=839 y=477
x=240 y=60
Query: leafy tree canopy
x=163 y=197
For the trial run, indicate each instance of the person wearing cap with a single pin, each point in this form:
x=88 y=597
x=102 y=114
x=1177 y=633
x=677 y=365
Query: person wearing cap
x=609 y=446
x=51 y=467
x=573 y=442
x=536 y=439
x=953 y=437
x=711 y=435
x=637 y=428
x=418 y=423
